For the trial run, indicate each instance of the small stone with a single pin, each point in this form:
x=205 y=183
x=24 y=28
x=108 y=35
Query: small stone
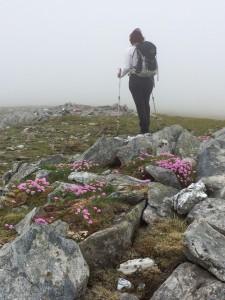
x=132 y=266
x=123 y=283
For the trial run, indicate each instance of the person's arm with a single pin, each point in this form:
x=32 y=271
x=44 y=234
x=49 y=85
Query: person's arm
x=127 y=64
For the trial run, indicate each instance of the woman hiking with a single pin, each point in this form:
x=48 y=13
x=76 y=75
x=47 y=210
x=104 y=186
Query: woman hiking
x=140 y=83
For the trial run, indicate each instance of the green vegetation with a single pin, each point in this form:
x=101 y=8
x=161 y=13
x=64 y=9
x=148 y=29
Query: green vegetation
x=72 y=135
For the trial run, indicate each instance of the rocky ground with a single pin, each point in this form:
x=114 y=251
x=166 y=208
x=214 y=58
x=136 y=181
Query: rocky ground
x=152 y=233
x=28 y=133
x=33 y=114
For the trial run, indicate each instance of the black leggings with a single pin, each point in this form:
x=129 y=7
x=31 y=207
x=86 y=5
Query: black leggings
x=141 y=88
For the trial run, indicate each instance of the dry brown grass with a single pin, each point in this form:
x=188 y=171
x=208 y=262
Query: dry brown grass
x=161 y=242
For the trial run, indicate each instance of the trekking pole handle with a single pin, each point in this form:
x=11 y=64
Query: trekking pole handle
x=119 y=72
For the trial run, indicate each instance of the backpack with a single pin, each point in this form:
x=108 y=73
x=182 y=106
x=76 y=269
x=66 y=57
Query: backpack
x=147 y=65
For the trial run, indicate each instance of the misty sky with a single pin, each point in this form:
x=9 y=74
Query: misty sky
x=58 y=51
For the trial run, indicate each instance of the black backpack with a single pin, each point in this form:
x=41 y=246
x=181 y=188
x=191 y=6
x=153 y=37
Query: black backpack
x=147 y=63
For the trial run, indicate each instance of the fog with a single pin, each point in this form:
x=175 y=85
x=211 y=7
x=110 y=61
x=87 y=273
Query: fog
x=58 y=51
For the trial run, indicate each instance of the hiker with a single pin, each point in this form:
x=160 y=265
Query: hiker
x=140 y=82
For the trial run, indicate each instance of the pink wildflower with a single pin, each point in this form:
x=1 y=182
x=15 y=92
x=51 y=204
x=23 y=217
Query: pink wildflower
x=41 y=220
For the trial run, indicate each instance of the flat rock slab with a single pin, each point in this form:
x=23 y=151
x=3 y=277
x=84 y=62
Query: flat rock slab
x=190 y=282
x=205 y=246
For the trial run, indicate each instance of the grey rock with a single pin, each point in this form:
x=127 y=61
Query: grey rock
x=117 y=179
x=161 y=141
x=123 y=284
x=137 y=264
x=26 y=222
x=3 y=195
x=6 y=176
x=73 y=158
x=84 y=177
x=42 y=264
x=170 y=133
x=187 y=145
x=164 y=176
x=211 y=157
x=186 y=199
x=24 y=170
x=157 y=207
x=54 y=159
x=215 y=186
x=190 y=282
x=16 y=166
x=213 y=210
x=108 y=151
x=130 y=197
x=134 y=146
x=120 y=179
x=203 y=245
x=165 y=140
x=100 y=248
x=43 y=173
x=103 y=152
x=60 y=187
x=31 y=114
x=3 y=191
x=219 y=133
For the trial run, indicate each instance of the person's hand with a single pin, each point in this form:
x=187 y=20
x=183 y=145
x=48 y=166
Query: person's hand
x=119 y=73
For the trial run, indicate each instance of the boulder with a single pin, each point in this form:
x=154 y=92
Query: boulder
x=104 y=151
x=161 y=141
x=108 y=151
x=203 y=245
x=215 y=186
x=213 y=210
x=186 y=199
x=190 y=282
x=164 y=176
x=27 y=221
x=211 y=157
x=42 y=264
x=219 y=133
x=101 y=248
x=131 y=197
x=134 y=146
x=23 y=171
x=156 y=207
x=165 y=140
x=187 y=145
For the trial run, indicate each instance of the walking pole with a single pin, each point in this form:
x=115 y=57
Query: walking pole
x=156 y=117
x=118 y=107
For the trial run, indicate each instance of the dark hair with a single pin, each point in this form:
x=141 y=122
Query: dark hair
x=136 y=36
